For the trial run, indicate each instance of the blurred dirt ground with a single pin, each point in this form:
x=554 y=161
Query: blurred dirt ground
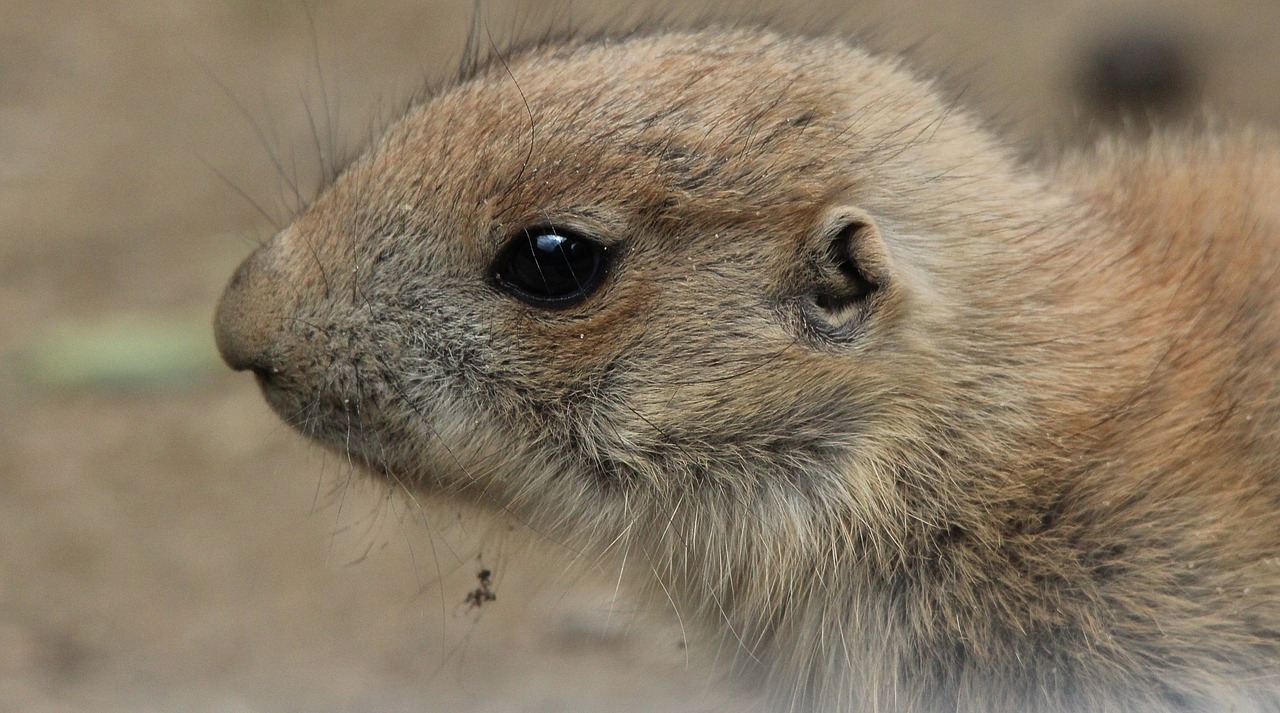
x=166 y=544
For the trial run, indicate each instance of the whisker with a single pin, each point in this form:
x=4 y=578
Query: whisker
x=259 y=133
x=273 y=221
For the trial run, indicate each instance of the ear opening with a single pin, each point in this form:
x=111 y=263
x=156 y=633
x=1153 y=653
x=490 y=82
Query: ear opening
x=852 y=264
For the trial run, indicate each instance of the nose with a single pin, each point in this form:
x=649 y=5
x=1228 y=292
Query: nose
x=249 y=316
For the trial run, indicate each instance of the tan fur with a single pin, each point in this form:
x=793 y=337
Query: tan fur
x=1037 y=470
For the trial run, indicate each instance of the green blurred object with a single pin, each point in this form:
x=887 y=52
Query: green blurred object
x=130 y=352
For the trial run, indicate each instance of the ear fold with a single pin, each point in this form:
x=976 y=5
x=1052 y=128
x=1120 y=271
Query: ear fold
x=852 y=267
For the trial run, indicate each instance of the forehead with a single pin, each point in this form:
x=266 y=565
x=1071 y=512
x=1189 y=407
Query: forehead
x=651 y=125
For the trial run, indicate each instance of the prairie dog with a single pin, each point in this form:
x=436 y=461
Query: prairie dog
x=917 y=426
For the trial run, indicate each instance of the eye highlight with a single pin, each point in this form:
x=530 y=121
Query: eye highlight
x=551 y=267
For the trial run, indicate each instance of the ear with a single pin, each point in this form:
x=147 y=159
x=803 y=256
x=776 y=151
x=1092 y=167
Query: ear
x=852 y=269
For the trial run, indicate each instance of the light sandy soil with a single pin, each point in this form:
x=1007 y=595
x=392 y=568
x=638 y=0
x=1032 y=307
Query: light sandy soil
x=165 y=544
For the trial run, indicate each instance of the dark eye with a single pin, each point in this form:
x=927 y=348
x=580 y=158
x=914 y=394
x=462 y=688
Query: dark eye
x=551 y=267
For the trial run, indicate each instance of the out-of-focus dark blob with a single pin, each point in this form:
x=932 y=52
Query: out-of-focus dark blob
x=1139 y=75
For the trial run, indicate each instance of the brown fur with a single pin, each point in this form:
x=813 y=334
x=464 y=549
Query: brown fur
x=1037 y=470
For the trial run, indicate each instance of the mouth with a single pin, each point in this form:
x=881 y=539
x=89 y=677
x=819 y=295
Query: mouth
x=332 y=420
x=372 y=427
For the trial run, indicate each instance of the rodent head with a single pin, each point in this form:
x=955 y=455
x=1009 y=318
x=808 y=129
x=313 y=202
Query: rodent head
x=669 y=285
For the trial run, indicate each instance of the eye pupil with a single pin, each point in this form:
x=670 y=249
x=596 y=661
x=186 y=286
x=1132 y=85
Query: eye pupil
x=550 y=267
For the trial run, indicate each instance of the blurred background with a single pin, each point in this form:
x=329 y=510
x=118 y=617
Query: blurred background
x=167 y=545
